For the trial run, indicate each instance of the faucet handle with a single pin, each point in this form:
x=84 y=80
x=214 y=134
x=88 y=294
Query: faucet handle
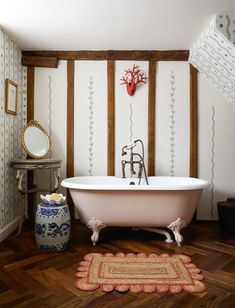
x=123 y=152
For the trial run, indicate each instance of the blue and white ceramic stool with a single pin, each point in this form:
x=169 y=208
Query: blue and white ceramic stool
x=52 y=227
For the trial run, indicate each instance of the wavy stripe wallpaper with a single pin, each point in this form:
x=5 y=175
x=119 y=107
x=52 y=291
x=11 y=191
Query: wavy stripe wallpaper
x=226 y=24
x=11 y=127
x=213 y=54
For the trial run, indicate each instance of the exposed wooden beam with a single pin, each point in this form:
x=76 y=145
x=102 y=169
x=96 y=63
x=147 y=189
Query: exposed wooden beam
x=145 y=55
x=111 y=117
x=30 y=116
x=51 y=62
x=151 y=117
x=30 y=94
x=70 y=128
x=193 y=122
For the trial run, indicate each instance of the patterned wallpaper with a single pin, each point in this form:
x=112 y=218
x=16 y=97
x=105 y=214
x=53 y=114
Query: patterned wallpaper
x=226 y=24
x=213 y=54
x=11 y=127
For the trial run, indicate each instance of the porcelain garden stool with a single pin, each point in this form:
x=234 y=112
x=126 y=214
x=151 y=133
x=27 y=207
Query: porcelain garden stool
x=52 y=226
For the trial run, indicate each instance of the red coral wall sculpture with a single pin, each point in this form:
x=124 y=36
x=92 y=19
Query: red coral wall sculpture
x=132 y=78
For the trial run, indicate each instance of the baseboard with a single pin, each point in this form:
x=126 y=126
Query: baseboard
x=9 y=228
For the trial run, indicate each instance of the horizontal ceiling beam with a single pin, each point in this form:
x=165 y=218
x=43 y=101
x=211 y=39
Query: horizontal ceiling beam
x=142 y=55
x=39 y=61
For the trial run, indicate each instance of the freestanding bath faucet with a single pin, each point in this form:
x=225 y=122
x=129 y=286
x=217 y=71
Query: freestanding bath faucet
x=133 y=161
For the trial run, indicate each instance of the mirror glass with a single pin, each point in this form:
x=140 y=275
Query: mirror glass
x=36 y=141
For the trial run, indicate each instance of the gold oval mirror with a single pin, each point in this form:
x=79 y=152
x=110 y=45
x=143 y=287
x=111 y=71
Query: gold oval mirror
x=35 y=140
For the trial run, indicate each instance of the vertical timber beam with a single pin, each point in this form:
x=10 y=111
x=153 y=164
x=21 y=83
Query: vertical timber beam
x=30 y=116
x=30 y=94
x=193 y=170
x=70 y=129
x=193 y=160
x=151 y=116
x=111 y=117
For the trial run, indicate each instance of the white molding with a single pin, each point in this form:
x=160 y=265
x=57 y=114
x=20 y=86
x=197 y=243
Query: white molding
x=9 y=228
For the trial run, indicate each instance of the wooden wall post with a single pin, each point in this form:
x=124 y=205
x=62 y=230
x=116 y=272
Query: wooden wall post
x=30 y=93
x=151 y=117
x=111 y=117
x=193 y=122
x=70 y=128
x=30 y=116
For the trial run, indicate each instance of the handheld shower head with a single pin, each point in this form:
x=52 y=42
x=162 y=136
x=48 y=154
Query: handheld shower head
x=131 y=145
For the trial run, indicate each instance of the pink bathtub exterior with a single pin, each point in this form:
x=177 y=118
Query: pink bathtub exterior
x=116 y=203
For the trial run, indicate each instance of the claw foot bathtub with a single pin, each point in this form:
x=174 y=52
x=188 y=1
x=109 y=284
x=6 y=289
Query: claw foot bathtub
x=110 y=201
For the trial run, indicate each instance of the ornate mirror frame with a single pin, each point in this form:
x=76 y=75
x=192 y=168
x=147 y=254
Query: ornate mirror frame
x=34 y=123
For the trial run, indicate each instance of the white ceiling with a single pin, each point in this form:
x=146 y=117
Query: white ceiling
x=108 y=24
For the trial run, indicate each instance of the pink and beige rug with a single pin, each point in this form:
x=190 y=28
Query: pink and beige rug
x=139 y=273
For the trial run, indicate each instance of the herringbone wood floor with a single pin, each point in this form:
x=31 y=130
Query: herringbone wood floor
x=31 y=278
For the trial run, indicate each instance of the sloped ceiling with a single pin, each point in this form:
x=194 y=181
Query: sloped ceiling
x=213 y=54
x=108 y=24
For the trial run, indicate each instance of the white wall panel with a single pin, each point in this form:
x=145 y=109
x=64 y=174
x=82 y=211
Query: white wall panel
x=123 y=102
x=90 y=118
x=172 y=119
x=50 y=110
x=216 y=148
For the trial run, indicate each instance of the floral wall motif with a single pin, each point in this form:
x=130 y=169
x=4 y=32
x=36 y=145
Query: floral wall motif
x=50 y=121
x=91 y=124
x=172 y=124
x=11 y=128
x=50 y=108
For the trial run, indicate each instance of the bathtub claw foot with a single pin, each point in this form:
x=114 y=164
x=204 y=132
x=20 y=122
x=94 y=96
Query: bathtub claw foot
x=175 y=227
x=95 y=225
